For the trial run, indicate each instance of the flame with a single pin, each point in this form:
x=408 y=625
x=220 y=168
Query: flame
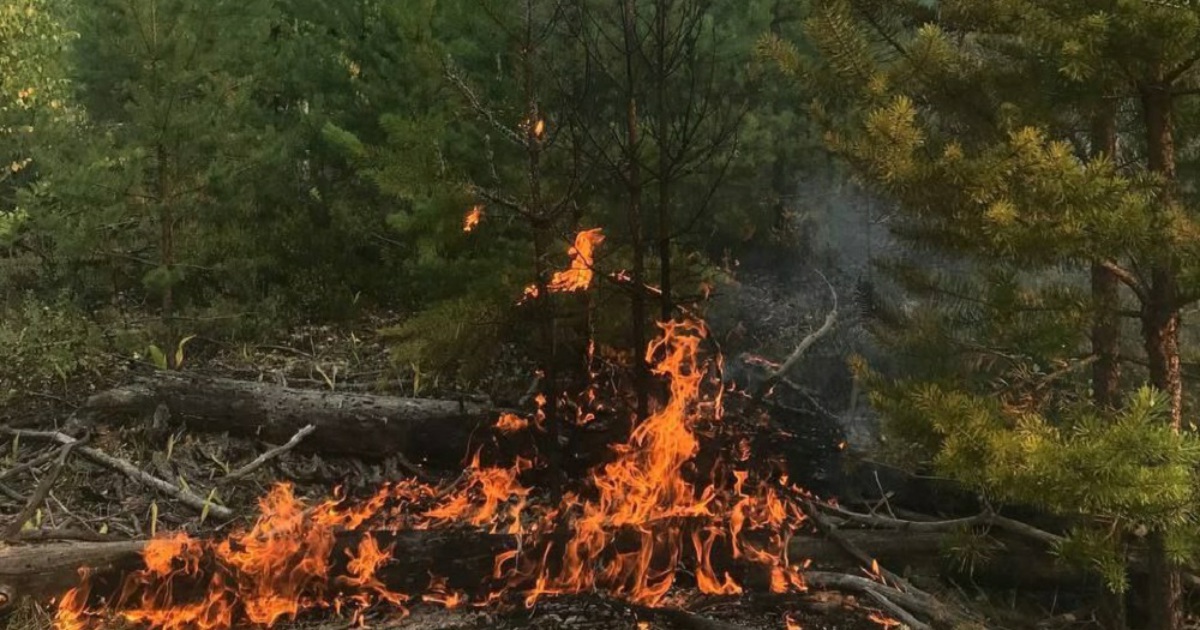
x=791 y=624
x=639 y=522
x=511 y=423
x=883 y=620
x=471 y=221
x=578 y=277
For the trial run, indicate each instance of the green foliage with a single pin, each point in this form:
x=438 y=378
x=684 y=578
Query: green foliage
x=45 y=343
x=459 y=339
x=982 y=123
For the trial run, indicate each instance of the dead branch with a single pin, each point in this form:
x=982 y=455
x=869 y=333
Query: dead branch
x=129 y=470
x=268 y=456
x=29 y=465
x=897 y=611
x=830 y=319
x=987 y=518
x=903 y=593
x=938 y=613
x=39 y=494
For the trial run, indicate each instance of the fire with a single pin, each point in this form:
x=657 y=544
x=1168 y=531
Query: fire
x=578 y=277
x=471 y=221
x=791 y=624
x=511 y=423
x=635 y=526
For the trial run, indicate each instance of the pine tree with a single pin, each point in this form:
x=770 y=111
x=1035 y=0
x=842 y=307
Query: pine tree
x=164 y=148
x=992 y=125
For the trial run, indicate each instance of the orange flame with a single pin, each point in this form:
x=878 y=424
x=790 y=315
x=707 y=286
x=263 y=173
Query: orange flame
x=471 y=221
x=639 y=519
x=578 y=277
x=511 y=423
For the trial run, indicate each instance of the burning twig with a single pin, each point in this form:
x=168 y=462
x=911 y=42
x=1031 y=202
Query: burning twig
x=268 y=456
x=40 y=494
x=131 y=471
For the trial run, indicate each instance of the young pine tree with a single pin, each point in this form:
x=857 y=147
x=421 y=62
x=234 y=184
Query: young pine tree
x=1037 y=142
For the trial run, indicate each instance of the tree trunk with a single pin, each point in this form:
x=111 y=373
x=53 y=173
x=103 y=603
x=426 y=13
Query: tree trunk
x=1160 y=331
x=1106 y=296
x=166 y=247
x=667 y=306
x=436 y=432
x=633 y=185
x=549 y=446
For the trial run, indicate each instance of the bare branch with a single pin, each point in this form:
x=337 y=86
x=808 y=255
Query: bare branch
x=268 y=456
x=129 y=470
x=805 y=344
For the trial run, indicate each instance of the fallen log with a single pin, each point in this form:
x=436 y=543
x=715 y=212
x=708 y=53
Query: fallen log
x=434 y=432
x=44 y=571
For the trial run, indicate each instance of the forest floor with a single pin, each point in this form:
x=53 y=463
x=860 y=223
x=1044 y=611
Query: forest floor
x=89 y=502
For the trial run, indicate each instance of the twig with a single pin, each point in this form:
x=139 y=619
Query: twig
x=268 y=456
x=39 y=494
x=917 y=602
x=829 y=529
x=900 y=591
x=897 y=611
x=33 y=463
x=830 y=319
x=987 y=518
x=12 y=494
x=131 y=471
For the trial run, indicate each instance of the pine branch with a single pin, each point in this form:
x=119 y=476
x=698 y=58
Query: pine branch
x=1128 y=279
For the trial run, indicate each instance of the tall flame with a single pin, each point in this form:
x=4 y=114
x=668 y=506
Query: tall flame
x=635 y=526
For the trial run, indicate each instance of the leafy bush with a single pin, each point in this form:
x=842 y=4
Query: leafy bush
x=45 y=343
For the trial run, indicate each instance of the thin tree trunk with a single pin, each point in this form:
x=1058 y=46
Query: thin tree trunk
x=664 y=164
x=1160 y=330
x=166 y=245
x=633 y=185
x=1106 y=296
x=550 y=447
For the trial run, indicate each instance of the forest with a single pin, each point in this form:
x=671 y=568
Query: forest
x=599 y=314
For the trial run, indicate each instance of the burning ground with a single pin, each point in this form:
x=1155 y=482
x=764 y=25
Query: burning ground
x=687 y=517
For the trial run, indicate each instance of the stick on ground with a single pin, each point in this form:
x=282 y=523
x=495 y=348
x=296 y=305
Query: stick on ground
x=268 y=456
x=97 y=456
x=39 y=495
